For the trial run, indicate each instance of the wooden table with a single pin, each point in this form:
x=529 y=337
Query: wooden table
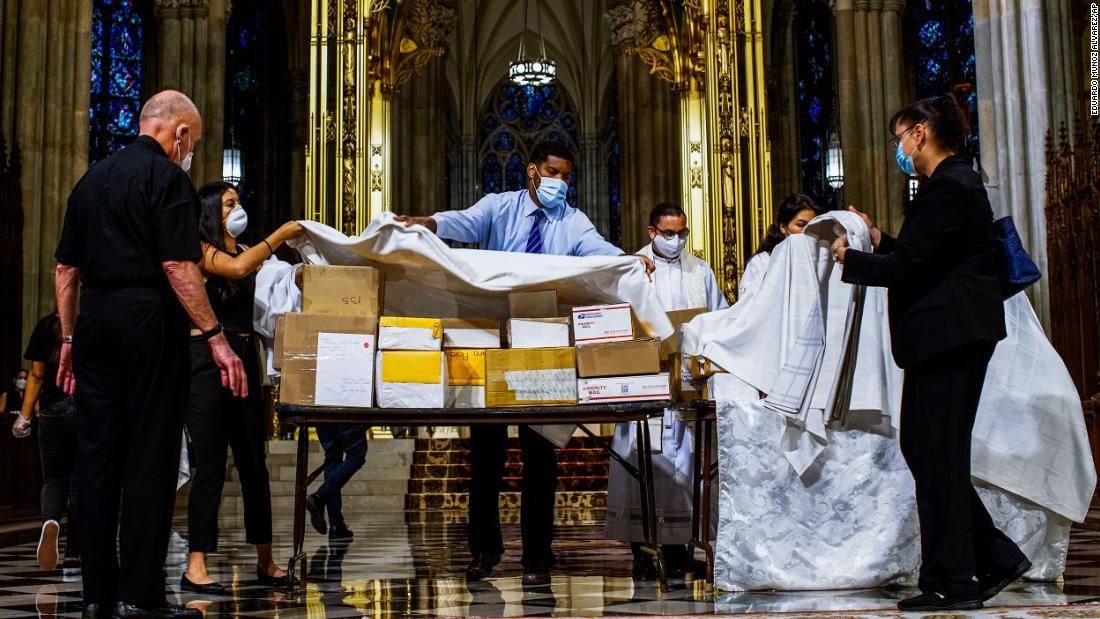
x=304 y=417
x=701 y=414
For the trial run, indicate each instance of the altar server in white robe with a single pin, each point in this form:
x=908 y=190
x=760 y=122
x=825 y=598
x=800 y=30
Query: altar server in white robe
x=681 y=281
x=791 y=217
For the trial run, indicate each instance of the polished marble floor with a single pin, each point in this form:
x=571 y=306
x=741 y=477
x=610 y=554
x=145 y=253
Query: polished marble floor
x=402 y=566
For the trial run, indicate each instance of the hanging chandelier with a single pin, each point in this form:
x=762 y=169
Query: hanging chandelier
x=527 y=70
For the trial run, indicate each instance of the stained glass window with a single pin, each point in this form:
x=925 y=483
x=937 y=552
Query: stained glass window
x=116 y=77
x=942 y=33
x=516 y=119
x=814 y=74
x=614 y=159
x=243 y=99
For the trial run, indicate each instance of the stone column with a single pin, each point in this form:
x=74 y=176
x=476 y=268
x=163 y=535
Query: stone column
x=419 y=133
x=650 y=140
x=1014 y=107
x=192 y=60
x=849 y=90
x=44 y=85
x=593 y=185
x=466 y=183
x=892 y=72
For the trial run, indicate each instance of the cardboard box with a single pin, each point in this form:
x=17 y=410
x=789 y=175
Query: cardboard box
x=678 y=318
x=471 y=333
x=536 y=304
x=411 y=379
x=623 y=389
x=538 y=332
x=701 y=368
x=602 y=323
x=530 y=377
x=631 y=358
x=349 y=291
x=465 y=367
x=277 y=352
x=401 y=333
x=299 y=347
x=687 y=388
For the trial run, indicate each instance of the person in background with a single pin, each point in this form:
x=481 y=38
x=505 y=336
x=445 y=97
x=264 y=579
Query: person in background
x=345 y=452
x=681 y=281
x=946 y=317
x=791 y=217
x=56 y=444
x=11 y=400
x=216 y=420
x=534 y=220
x=129 y=250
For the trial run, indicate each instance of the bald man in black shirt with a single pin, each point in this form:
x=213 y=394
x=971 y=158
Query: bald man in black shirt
x=130 y=245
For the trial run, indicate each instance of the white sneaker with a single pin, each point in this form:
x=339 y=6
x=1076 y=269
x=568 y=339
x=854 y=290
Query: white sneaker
x=47 y=545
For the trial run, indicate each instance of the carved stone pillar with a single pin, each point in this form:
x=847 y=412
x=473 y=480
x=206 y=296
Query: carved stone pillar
x=44 y=86
x=849 y=89
x=593 y=199
x=466 y=184
x=192 y=60
x=419 y=157
x=893 y=99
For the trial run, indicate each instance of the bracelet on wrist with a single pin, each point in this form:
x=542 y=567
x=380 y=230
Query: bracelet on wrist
x=213 y=332
x=270 y=252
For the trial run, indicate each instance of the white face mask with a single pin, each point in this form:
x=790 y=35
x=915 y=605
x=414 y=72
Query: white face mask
x=21 y=383
x=185 y=162
x=237 y=221
x=551 y=191
x=669 y=248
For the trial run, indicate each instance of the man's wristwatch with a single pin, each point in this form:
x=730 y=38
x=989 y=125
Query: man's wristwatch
x=214 y=331
x=66 y=339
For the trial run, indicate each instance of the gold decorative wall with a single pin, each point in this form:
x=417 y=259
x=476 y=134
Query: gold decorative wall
x=711 y=52
x=360 y=52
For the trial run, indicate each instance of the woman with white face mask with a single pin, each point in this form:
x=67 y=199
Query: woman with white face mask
x=791 y=217
x=216 y=420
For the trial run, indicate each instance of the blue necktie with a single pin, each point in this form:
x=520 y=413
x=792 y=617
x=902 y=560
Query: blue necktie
x=534 y=242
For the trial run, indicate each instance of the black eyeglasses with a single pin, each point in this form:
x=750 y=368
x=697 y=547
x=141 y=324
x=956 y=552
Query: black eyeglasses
x=670 y=234
x=894 y=141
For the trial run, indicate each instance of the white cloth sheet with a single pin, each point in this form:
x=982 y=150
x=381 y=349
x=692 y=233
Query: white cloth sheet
x=1030 y=460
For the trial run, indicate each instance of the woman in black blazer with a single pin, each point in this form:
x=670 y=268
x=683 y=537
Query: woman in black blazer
x=946 y=317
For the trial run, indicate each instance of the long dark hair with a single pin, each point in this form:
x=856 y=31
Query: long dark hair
x=792 y=205
x=211 y=232
x=945 y=118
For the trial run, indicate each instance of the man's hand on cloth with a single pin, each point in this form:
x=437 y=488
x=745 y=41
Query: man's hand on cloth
x=876 y=234
x=427 y=222
x=840 y=247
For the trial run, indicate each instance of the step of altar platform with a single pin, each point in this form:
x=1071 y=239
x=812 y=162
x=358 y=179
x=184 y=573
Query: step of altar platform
x=381 y=485
x=440 y=476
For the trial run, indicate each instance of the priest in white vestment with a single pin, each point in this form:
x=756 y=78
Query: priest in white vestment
x=681 y=281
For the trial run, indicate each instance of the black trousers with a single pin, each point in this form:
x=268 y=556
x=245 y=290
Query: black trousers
x=488 y=455
x=131 y=362
x=958 y=539
x=216 y=422
x=57 y=444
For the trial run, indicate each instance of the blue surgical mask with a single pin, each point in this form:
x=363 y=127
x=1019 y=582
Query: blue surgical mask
x=905 y=162
x=551 y=191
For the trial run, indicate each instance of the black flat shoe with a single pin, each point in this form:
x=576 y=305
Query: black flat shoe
x=167 y=611
x=537 y=577
x=937 y=602
x=481 y=566
x=993 y=588
x=96 y=611
x=193 y=587
x=273 y=581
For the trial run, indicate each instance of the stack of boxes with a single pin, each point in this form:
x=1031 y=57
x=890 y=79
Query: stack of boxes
x=326 y=353
x=539 y=367
x=612 y=365
x=340 y=351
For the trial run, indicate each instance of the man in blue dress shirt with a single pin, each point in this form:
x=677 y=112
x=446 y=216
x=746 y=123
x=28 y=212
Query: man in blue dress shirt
x=532 y=220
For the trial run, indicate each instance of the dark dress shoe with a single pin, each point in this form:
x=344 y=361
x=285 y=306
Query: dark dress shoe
x=481 y=566
x=274 y=581
x=536 y=577
x=926 y=602
x=994 y=584
x=316 y=511
x=340 y=534
x=168 y=610
x=193 y=587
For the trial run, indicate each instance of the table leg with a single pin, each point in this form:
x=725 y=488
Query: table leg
x=300 y=482
x=696 y=488
x=649 y=504
x=708 y=477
